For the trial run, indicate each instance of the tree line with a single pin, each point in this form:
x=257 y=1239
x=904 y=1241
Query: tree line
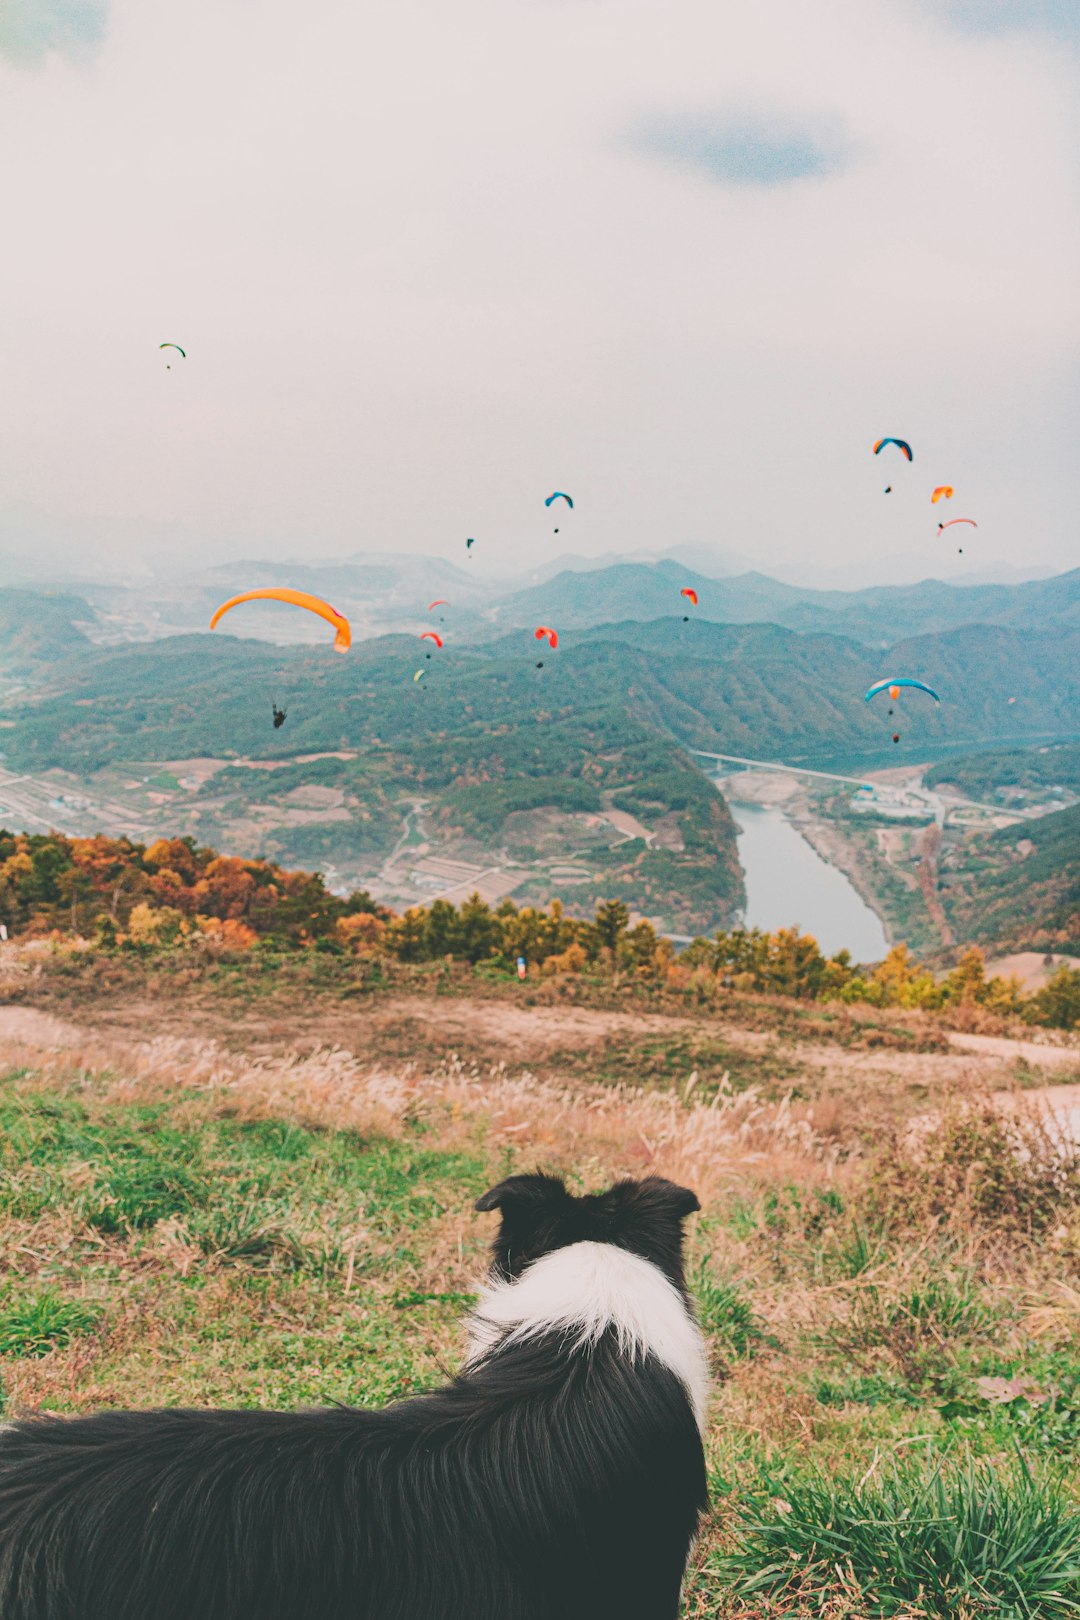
x=122 y=895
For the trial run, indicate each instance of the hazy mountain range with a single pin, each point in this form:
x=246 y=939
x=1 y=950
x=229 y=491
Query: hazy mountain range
x=383 y=593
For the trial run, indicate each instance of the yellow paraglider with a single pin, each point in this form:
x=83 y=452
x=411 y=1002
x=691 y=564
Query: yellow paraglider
x=314 y=604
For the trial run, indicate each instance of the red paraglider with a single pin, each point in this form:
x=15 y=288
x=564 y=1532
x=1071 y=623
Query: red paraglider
x=431 y=635
x=952 y=524
x=543 y=630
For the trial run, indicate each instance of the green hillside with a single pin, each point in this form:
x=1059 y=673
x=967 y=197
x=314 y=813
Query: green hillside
x=756 y=690
x=983 y=774
x=1018 y=887
x=38 y=628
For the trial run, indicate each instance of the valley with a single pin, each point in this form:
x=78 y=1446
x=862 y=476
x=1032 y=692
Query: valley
x=422 y=774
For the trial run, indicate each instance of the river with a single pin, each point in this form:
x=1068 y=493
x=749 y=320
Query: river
x=787 y=882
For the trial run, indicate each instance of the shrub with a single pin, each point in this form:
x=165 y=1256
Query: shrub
x=572 y=960
x=227 y=934
x=149 y=926
x=1057 y=1004
x=361 y=931
x=977 y=1167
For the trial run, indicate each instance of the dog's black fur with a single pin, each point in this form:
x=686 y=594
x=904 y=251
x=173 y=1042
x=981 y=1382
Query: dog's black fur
x=544 y=1483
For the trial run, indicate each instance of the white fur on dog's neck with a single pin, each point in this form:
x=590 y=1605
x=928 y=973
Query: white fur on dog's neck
x=580 y=1292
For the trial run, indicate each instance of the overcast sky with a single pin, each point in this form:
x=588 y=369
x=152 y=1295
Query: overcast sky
x=686 y=259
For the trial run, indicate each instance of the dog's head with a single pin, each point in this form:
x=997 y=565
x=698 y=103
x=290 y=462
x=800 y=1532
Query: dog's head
x=539 y=1215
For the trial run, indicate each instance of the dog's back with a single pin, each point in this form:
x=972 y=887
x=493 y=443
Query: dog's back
x=561 y=1477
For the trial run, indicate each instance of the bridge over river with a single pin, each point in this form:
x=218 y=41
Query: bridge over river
x=904 y=799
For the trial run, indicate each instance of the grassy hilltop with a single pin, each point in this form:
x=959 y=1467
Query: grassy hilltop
x=220 y=1187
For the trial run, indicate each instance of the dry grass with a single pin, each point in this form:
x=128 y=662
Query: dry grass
x=595 y=1132
x=847 y=1322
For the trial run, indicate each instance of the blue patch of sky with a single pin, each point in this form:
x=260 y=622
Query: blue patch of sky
x=1058 y=17
x=743 y=149
x=30 y=29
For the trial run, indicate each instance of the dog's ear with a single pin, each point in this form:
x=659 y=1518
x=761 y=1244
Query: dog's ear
x=663 y=1197
x=520 y=1195
x=680 y=1200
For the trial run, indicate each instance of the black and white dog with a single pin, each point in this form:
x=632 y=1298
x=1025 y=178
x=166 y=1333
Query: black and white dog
x=559 y=1477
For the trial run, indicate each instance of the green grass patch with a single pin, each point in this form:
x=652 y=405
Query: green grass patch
x=37 y=1323
x=224 y=1260
x=727 y=1316
x=922 y=1537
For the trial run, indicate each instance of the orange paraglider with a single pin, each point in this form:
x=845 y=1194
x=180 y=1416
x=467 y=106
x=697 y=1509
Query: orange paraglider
x=431 y=635
x=313 y=604
x=543 y=630
x=690 y=593
x=943 y=491
x=440 y=601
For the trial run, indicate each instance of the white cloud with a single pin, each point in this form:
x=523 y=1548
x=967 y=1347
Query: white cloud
x=422 y=280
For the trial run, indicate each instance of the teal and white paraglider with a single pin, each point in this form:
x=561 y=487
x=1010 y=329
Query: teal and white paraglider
x=893 y=685
x=559 y=495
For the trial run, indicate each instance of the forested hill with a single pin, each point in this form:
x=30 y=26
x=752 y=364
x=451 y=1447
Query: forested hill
x=39 y=628
x=1020 y=886
x=756 y=690
x=643 y=590
x=1006 y=771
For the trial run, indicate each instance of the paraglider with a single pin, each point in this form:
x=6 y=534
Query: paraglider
x=559 y=495
x=689 y=593
x=280 y=717
x=418 y=676
x=903 y=447
x=952 y=524
x=943 y=492
x=440 y=601
x=313 y=604
x=893 y=685
x=543 y=630
x=181 y=352
x=431 y=635
x=469 y=544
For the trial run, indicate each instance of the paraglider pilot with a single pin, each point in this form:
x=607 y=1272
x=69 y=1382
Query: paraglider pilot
x=279 y=717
